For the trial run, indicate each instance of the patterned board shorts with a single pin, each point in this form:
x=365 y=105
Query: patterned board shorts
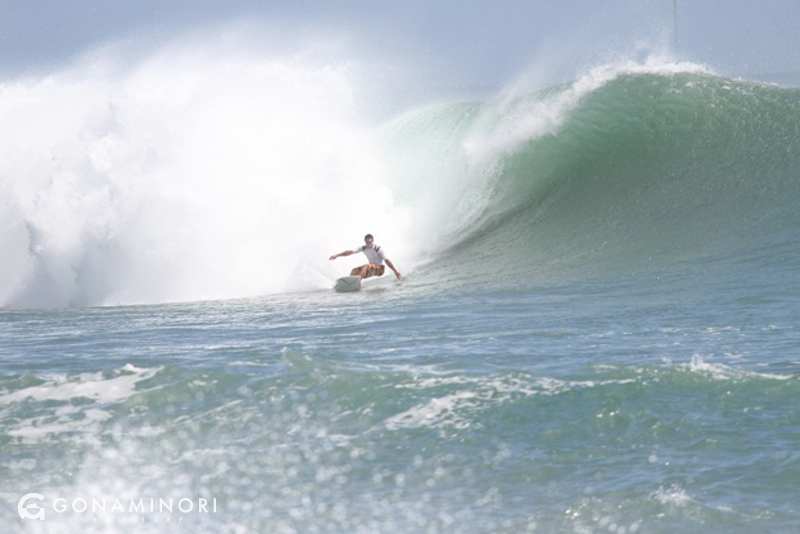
x=375 y=270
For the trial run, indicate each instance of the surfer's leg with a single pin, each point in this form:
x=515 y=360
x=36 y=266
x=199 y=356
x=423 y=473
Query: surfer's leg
x=362 y=271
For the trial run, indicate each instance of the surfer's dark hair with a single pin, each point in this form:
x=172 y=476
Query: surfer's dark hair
x=369 y=236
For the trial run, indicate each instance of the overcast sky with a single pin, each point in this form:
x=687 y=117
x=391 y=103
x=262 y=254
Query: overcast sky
x=467 y=42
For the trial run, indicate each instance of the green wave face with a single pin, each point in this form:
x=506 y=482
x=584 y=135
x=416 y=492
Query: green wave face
x=637 y=171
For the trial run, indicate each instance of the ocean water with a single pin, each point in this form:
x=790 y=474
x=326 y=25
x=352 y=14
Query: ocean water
x=598 y=327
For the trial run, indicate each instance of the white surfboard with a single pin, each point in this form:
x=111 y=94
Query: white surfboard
x=348 y=283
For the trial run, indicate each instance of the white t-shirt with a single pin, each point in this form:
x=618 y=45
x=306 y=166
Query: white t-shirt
x=375 y=254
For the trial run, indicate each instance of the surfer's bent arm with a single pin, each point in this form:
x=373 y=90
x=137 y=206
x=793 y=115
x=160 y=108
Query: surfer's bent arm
x=391 y=266
x=345 y=253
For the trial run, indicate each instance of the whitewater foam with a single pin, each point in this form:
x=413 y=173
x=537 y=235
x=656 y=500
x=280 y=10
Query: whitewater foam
x=190 y=174
x=456 y=410
x=76 y=420
x=95 y=386
x=720 y=371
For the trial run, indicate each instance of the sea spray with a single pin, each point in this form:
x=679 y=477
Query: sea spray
x=187 y=175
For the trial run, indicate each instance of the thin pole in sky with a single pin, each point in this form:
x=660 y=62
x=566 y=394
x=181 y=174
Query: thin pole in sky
x=675 y=26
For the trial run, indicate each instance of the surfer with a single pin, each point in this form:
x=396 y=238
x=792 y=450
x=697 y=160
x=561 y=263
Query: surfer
x=376 y=257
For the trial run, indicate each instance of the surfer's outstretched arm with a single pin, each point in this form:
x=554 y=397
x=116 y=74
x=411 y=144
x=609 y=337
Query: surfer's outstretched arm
x=391 y=266
x=345 y=253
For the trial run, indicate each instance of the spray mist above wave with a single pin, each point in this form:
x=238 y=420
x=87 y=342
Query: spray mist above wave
x=191 y=173
x=514 y=118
